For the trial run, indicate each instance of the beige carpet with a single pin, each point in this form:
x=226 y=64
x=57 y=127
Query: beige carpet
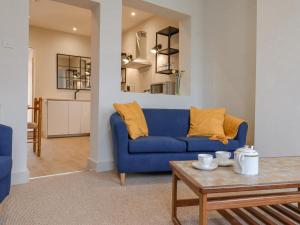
x=90 y=198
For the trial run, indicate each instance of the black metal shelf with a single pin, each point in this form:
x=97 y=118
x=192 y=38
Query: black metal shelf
x=168 y=51
x=168 y=31
x=166 y=72
x=70 y=67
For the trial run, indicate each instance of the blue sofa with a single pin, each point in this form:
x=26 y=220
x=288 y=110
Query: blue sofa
x=5 y=160
x=167 y=141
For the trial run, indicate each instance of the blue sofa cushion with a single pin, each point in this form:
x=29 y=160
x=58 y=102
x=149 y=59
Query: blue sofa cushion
x=203 y=144
x=5 y=166
x=167 y=122
x=155 y=144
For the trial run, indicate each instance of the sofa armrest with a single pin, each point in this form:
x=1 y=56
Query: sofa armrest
x=120 y=138
x=241 y=136
x=5 y=140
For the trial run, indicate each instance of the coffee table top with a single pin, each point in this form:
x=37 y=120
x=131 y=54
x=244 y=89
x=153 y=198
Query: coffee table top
x=283 y=172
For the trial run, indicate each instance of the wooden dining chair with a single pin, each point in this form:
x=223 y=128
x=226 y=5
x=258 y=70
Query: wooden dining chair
x=35 y=127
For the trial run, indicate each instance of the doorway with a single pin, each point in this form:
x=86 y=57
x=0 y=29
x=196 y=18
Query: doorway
x=60 y=73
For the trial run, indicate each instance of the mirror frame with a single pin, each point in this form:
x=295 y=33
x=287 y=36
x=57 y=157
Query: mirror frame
x=80 y=68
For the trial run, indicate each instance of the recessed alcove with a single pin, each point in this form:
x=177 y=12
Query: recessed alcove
x=155 y=48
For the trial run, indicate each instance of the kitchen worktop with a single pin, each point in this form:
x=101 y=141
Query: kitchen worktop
x=77 y=100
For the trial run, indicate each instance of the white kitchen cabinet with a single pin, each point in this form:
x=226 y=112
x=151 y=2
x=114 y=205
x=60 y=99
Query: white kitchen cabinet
x=85 y=117
x=57 y=118
x=67 y=118
x=75 y=117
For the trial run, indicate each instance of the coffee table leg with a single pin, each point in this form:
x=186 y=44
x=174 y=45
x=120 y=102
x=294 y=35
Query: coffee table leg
x=174 y=199
x=299 y=202
x=203 y=213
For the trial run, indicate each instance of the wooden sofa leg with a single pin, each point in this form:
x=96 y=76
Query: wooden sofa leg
x=122 y=178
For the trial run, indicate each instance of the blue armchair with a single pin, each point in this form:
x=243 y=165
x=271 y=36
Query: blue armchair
x=167 y=141
x=5 y=160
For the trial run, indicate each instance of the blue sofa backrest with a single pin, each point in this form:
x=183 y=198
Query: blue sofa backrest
x=167 y=122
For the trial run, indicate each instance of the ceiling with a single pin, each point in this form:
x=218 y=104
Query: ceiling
x=62 y=17
x=129 y=21
x=57 y=16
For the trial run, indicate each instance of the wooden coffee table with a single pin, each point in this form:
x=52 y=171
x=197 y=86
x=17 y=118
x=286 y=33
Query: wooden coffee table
x=236 y=201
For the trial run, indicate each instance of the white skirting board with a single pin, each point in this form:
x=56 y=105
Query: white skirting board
x=20 y=177
x=101 y=166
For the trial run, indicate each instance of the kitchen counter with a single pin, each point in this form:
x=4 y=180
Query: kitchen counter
x=77 y=100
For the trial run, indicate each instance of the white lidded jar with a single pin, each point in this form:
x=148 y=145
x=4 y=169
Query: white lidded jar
x=246 y=161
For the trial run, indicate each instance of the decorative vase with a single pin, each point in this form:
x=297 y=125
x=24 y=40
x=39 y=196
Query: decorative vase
x=177 y=91
x=178 y=75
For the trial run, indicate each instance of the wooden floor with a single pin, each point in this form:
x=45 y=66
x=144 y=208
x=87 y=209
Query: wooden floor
x=59 y=155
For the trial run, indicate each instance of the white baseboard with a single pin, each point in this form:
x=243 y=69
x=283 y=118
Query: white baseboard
x=100 y=166
x=20 y=177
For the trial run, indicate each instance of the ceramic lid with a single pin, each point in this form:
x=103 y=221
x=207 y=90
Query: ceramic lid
x=247 y=151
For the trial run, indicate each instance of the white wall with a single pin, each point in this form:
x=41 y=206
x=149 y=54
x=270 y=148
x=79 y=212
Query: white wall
x=110 y=50
x=30 y=91
x=13 y=75
x=277 y=75
x=106 y=84
x=278 y=78
x=13 y=70
x=230 y=54
x=142 y=79
x=46 y=44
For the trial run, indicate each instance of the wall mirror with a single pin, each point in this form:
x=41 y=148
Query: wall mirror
x=73 y=72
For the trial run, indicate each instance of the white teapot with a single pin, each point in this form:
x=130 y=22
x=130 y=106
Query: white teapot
x=246 y=161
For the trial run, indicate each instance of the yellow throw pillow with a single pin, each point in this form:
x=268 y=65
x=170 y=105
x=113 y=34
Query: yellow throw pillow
x=206 y=122
x=134 y=118
x=231 y=126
